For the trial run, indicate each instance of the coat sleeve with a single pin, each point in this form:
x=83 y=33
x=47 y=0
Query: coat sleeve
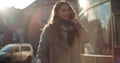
x=83 y=36
x=42 y=51
x=83 y=40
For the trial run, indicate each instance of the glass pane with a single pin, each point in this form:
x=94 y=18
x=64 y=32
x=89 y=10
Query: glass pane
x=25 y=48
x=16 y=49
x=84 y=4
x=97 y=23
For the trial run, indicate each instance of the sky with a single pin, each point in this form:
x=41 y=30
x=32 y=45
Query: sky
x=20 y=4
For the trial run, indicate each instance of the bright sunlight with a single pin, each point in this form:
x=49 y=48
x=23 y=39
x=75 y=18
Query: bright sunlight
x=82 y=4
x=21 y=4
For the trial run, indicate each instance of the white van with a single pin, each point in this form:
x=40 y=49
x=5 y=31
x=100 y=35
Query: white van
x=16 y=53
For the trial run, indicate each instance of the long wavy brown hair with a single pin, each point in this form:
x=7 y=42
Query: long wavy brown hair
x=55 y=22
x=56 y=8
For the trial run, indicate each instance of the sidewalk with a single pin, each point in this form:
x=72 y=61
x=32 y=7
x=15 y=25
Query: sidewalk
x=34 y=60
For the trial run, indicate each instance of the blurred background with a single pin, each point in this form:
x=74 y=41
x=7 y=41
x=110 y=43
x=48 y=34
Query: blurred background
x=21 y=21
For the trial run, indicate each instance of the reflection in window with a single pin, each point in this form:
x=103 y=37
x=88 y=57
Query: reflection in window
x=97 y=23
x=89 y=3
x=6 y=49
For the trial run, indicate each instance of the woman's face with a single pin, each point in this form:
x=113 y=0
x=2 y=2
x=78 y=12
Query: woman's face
x=64 y=12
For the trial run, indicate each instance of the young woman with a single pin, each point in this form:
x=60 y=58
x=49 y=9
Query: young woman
x=61 y=37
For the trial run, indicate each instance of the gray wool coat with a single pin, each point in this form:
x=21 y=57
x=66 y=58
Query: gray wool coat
x=60 y=52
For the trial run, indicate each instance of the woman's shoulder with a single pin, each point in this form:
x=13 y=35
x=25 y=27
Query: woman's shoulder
x=48 y=27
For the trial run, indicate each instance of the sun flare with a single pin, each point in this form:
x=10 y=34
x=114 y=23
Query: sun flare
x=82 y=4
x=15 y=3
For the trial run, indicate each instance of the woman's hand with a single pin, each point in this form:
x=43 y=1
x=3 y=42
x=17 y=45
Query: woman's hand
x=74 y=20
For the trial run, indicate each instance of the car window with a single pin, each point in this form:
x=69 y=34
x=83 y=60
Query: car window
x=25 y=48
x=16 y=49
x=6 y=49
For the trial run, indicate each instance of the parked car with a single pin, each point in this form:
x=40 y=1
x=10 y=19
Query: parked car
x=16 y=53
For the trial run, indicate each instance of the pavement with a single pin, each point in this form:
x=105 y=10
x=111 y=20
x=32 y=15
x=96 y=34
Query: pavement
x=34 y=60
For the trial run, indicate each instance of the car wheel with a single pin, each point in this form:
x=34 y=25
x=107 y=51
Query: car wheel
x=8 y=60
x=29 y=60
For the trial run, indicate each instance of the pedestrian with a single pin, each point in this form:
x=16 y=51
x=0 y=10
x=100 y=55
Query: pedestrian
x=61 y=37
